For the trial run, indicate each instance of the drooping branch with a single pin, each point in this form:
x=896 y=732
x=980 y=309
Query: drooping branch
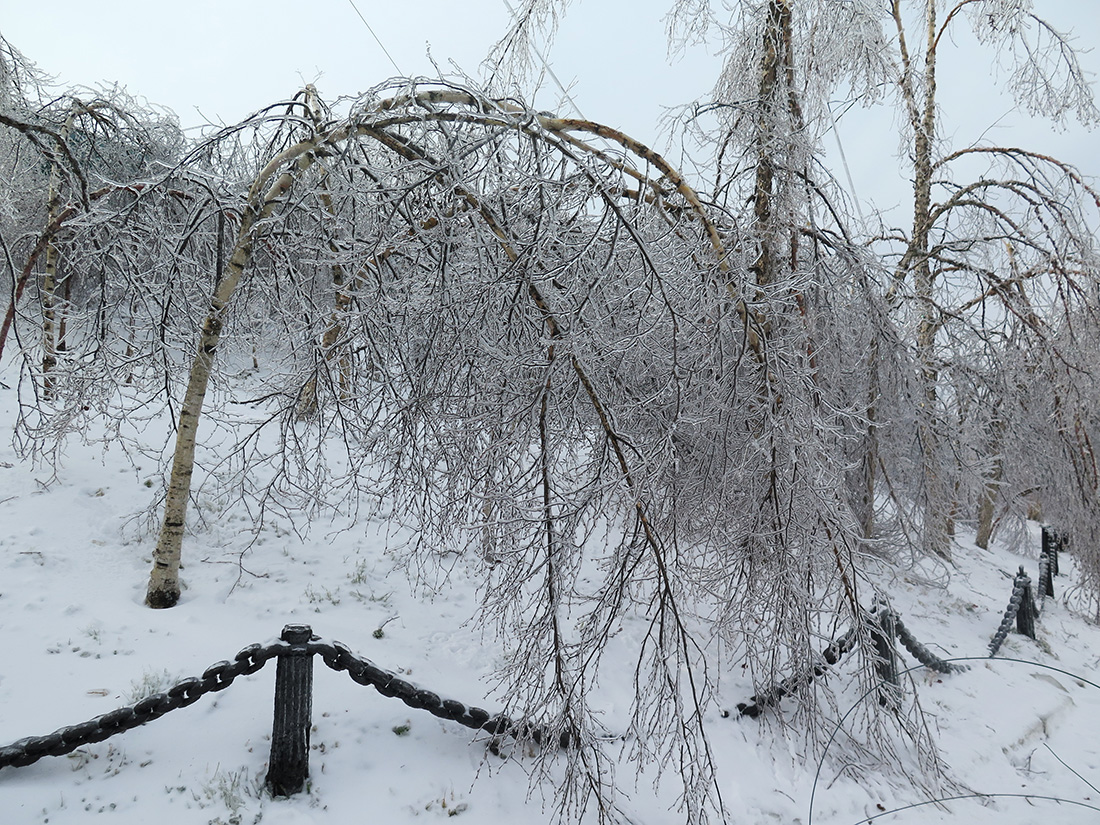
x=164 y=587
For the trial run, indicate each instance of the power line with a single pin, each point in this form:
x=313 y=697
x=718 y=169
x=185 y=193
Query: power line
x=549 y=71
x=844 y=159
x=375 y=36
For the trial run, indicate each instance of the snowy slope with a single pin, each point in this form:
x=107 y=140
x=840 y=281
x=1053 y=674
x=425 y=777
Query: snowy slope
x=78 y=642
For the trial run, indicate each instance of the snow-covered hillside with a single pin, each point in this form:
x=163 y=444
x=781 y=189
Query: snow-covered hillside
x=75 y=544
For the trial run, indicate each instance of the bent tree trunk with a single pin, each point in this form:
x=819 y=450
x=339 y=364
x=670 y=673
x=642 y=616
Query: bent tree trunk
x=164 y=585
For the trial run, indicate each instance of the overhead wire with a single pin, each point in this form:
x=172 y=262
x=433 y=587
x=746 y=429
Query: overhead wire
x=549 y=71
x=377 y=40
x=538 y=53
x=843 y=158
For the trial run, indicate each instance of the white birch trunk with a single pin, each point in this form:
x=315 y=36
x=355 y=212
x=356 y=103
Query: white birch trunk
x=50 y=338
x=935 y=535
x=164 y=584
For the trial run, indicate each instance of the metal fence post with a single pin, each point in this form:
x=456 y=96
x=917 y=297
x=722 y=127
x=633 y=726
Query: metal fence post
x=289 y=764
x=1053 y=542
x=1046 y=575
x=1025 y=616
x=883 y=629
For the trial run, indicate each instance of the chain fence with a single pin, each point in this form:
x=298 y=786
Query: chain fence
x=829 y=657
x=362 y=671
x=883 y=624
x=297 y=647
x=921 y=653
x=217 y=677
x=1023 y=608
x=1021 y=611
x=295 y=650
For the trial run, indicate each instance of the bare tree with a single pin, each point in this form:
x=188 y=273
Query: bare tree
x=558 y=362
x=813 y=310
x=100 y=153
x=610 y=395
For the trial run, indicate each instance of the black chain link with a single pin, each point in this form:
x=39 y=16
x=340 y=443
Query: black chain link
x=217 y=677
x=221 y=674
x=830 y=656
x=339 y=657
x=1044 y=581
x=921 y=653
x=364 y=672
x=1019 y=588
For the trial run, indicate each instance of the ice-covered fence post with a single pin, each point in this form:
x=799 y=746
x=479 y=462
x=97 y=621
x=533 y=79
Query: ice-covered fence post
x=289 y=764
x=1052 y=543
x=883 y=629
x=1025 y=616
x=1046 y=576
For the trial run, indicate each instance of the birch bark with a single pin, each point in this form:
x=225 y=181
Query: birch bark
x=50 y=337
x=921 y=107
x=164 y=584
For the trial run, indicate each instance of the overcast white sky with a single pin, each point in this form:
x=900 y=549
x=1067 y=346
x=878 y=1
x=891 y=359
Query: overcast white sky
x=221 y=60
x=213 y=60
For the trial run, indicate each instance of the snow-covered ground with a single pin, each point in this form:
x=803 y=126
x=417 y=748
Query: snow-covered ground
x=78 y=642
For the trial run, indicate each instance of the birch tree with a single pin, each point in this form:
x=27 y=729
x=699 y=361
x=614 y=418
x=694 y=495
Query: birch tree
x=570 y=374
x=99 y=153
x=813 y=310
x=985 y=249
x=612 y=396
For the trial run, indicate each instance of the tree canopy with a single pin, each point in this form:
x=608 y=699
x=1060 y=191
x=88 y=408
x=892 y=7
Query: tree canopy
x=613 y=390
